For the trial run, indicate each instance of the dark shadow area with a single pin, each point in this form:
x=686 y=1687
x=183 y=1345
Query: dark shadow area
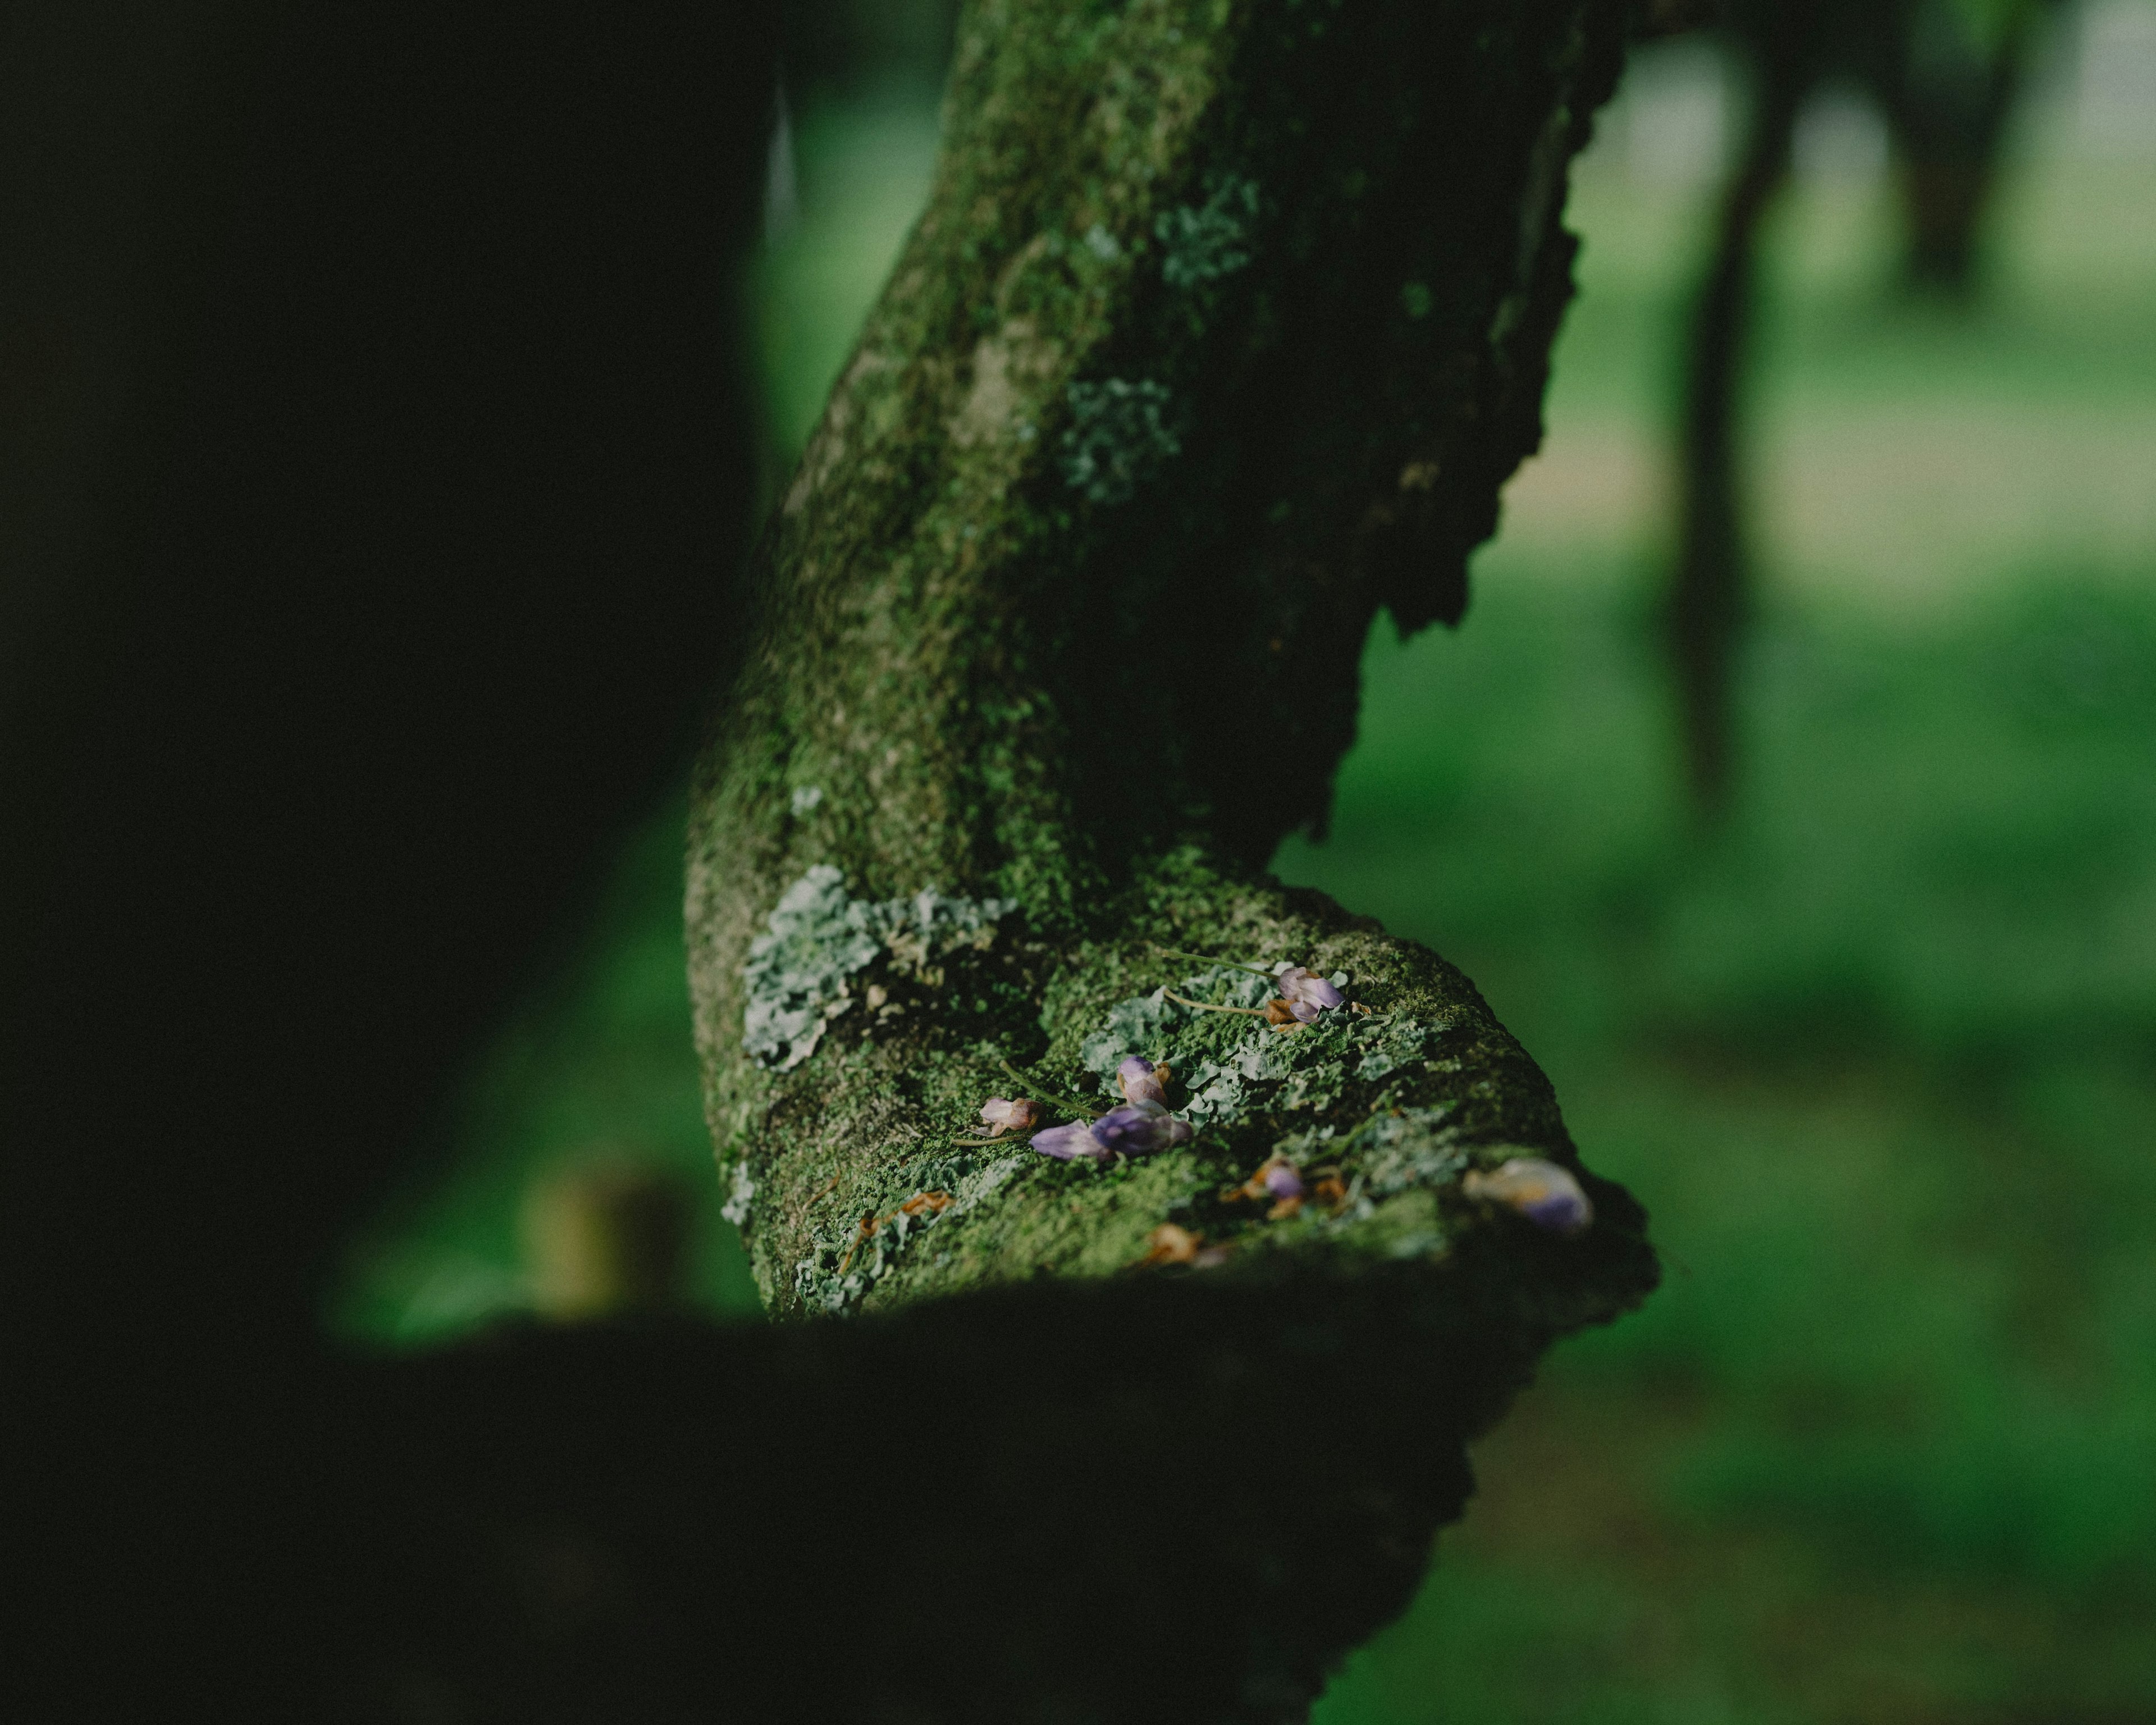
x=378 y=462
x=1160 y=1496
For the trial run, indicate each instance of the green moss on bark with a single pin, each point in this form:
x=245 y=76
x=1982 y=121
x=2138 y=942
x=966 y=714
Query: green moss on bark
x=1224 y=323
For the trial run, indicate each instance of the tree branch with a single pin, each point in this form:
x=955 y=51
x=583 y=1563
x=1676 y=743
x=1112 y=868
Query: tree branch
x=1222 y=327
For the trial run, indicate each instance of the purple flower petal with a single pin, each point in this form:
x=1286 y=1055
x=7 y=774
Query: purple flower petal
x=1282 y=1178
x=1545 y=1193
x=1302 y=988
x=1140 y=1084
x=1010 y=1116
x=1559 y=1211
x=1139 y=1129
x=1065 y=1143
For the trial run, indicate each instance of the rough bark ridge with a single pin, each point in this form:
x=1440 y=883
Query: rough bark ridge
x=1225 y=323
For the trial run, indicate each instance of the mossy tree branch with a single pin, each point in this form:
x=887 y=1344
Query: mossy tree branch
x=1222 y=328
x=1225 y=323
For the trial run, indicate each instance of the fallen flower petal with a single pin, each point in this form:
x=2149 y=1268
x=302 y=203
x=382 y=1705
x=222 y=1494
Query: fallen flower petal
x=1010 y=1116
x=1308 y=995
x=1277 y=1179
x=1139 y=1129
x=1074 y=1142
x=1168 y=1244
x=1546 y=1194
x=1142 y=1081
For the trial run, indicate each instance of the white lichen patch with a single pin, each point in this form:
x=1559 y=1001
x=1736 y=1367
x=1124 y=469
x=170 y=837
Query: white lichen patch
x=1119 y=437
x=1411 y=1147
x=1230 y=1065
x=735 y=1210
x=818 y=937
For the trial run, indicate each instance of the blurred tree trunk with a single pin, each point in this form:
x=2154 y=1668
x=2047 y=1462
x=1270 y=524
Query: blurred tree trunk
x=1947 y=93
x=1711 y=597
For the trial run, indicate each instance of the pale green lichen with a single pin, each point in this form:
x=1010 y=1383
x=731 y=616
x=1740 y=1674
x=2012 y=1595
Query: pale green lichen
x=1118 y=438
x=1407 y=1147
x=1228 y=1065
x=735 y=1210
x=1210 y=240
x=837 y=1274
x=819 y=937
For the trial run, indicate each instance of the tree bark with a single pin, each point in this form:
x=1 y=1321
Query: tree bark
x=1223 y=326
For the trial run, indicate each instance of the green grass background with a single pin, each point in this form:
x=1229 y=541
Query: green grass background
x=1880 y=1056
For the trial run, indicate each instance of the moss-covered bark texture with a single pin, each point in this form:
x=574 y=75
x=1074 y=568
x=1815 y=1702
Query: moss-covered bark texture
x=1225 y=323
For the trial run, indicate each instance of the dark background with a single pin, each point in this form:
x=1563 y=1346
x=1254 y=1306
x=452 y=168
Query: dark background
x=378 y=461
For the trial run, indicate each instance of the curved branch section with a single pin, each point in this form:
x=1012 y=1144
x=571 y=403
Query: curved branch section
x=1223 y=326
x=1225 y=323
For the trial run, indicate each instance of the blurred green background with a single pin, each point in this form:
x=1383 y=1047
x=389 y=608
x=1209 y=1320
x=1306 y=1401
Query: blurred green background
x=1880 y=1054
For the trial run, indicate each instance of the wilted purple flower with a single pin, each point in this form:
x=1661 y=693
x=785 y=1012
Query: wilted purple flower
x=1306 y=994
x=1298 y=983
x=1009 y=1117
x=1276 y=1177
x=1134 y=1129
x=1139 y=1129
x=1073 y=1143
x=1142 y=1081
x=1546 y=1194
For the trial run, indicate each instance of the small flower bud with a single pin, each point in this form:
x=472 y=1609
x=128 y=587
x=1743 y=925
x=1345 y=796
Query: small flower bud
x=1546 y=1194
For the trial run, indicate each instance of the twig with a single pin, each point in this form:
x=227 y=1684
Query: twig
x=869 y=1225
x=801 y=1210
x=1255 y=1012
x=1060 y=1101
x=1200 y=959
